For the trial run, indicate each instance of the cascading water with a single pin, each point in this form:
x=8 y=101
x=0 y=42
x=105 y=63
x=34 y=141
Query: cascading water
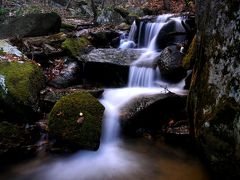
x=128 y=42
x=143 y=72
x=112 y=160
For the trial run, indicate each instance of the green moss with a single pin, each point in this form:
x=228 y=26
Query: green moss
x=69 y=27
x=189 y=58
x=23 y=81
x=74 y=45
x=64 y=115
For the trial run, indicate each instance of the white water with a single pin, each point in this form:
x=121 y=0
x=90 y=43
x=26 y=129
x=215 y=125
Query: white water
x=129 y=42
x=142 y=72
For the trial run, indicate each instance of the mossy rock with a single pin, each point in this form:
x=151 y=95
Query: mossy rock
x=20 y=84
x=66 y=123
x=189 y=58
x=75 y=45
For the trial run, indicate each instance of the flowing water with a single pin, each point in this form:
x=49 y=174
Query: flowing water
x=118 y=158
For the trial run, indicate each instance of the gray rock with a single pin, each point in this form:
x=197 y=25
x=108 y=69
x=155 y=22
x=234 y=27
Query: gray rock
x=121 y=57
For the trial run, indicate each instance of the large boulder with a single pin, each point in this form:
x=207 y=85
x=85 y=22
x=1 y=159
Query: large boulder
x=121 y=57
x=214 y=99
x=170 y=64
x=108 y=67
x=20 y=84
x=76 y=119
x=152 y=112
x=31 y=25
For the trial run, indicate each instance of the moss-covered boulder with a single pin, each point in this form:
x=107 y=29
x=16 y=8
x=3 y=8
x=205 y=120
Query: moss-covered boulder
x=76 y=119
x=20 y=84
x=75 y=46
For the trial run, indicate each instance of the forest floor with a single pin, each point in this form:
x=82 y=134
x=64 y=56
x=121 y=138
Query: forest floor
x=22 y=7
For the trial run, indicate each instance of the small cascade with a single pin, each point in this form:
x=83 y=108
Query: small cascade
x=143 y=72
x=150 y=31
x=128 y=42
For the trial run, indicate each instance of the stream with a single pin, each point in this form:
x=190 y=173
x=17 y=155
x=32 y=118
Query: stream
x=123 y=158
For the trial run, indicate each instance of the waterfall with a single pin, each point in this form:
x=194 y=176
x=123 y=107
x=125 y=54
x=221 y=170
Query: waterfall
x=128 y=42
x=112 y=160
x=151 y=31
x=142 y=72
x=144 y=77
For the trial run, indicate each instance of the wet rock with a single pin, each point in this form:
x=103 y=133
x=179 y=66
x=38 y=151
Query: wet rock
x=20 y=84
x=170 y=64
x=214 y=99
x=152 y=112
x=171 y=33
x=76 y=119
x=108 y=67
x=31 y=25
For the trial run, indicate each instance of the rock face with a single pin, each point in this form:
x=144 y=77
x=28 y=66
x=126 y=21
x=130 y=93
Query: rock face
x=77 y=119
x=31 y=25
x=20 y=84
x=214 y=99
